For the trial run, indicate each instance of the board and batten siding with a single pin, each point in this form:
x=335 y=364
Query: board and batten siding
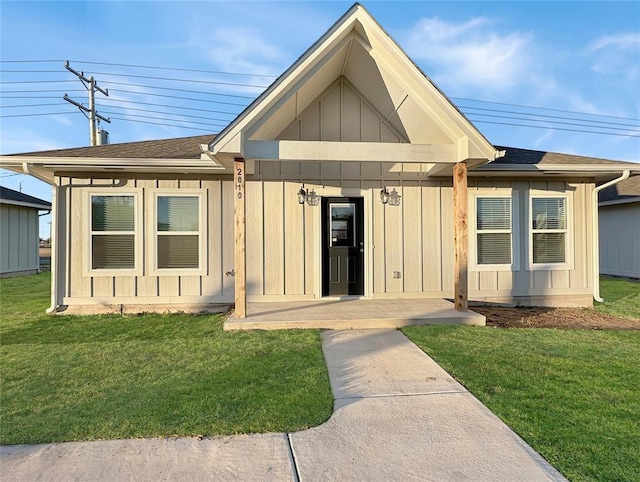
x=412 y=243
x=410 y=251
x=619 y=227
x=19 y=239
x=215 y=287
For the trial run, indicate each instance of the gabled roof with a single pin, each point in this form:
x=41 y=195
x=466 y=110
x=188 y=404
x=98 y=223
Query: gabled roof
x=178 y=148
x=181 y=155
x=358 y=49
x=9 y=196
x=627 y=191
x=534 y=163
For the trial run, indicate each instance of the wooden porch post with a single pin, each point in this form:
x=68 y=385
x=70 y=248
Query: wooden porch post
x=460 y=236
x=240 y=242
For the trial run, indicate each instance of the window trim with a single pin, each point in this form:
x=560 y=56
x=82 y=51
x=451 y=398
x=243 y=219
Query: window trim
x=201 y=194
x=473 y=231
x=137 y=270
x=568 y=263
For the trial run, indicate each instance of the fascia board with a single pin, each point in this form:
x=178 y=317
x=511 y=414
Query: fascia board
x=628 y=200
x=443 y=102
x=93 y=162
x=559 y=167
x=40 y=207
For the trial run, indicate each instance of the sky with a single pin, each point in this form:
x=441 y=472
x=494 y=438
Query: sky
x=569 y=68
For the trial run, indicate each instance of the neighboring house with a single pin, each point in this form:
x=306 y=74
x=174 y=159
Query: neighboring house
x=19 y=232
x=619 y=223
x=351 y=175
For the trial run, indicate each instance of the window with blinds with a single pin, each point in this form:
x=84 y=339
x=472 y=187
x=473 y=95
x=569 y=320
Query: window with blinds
x=178 y=232
x=549 y=229
x=112 y=232
x=493 y=230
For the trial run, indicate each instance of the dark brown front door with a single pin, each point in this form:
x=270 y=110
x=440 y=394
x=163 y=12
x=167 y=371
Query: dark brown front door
x=342 y=246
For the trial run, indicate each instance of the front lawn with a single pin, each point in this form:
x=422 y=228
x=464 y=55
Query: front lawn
x=571 y=394
x=621 y=297
x=106 y=377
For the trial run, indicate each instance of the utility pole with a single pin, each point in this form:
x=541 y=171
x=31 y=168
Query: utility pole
x=91 y=85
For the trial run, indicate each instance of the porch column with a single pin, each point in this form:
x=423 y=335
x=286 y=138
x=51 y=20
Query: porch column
x=460 y=237
x=240 y=241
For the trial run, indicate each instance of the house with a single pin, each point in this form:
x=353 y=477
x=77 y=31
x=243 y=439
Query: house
x=619 y=223
x=19 y=232
x=352 y=175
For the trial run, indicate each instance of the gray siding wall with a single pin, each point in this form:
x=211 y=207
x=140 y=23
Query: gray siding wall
x=619 y=227
x=19 y=239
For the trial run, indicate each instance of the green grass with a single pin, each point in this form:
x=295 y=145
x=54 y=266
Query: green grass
x=572 y=395
x=621 y=297
x=106 y=377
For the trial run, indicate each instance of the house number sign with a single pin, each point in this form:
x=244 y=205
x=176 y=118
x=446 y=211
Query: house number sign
x=239 y=175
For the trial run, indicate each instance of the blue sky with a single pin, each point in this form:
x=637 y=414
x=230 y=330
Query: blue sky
x=580 y=57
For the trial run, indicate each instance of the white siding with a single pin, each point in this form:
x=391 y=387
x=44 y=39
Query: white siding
x=213 y=287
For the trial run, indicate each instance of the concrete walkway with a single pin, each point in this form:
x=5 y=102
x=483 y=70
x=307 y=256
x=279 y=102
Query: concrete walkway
x=397 y=416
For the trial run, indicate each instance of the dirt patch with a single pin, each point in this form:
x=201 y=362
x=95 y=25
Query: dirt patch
x=575 y=318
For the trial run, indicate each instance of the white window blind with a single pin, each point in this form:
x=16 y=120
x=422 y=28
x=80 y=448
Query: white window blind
x=549 y=229
x=493 y=230
x=112 y=232
x=178 y=232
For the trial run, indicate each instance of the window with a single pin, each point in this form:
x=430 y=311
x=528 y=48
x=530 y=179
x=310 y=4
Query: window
x=113 y=232
x=178 y=232
x=493 y=235
x=549 y=230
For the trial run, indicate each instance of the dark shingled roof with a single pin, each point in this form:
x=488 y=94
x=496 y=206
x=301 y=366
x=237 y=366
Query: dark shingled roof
x=527 y=156
x=180 y=148
x=627 y=189
x=7 y=194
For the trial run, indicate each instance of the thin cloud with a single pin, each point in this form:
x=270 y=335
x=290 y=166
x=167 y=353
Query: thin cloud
x=616 y=55
x=470 y=55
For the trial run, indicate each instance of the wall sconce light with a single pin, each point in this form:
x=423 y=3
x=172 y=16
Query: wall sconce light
x=310 y=197
x=384 y=195
x=302 y=195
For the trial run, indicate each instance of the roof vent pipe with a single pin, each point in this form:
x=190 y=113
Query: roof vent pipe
x=596 y=233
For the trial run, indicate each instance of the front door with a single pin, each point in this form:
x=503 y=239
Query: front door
x=342 y=246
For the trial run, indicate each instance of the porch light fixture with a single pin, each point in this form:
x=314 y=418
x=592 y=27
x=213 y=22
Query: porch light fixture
x=302 y=195
x=384 y=195
x=309 y=197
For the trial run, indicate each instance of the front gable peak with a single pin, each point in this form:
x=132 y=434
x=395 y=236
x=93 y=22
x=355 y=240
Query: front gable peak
x=360 y=78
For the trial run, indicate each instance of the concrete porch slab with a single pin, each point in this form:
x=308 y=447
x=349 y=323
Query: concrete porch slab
x=351 y=315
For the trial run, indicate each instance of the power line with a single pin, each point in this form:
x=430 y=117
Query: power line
x=36 y=114
x=181 y=98
x=27 y=61
x=40 y=91
x=162 y=124
x=553 y=128
x=11 y=175
x=544 y=108
x=171 y=79
x=553 y=122
x=34 y=81
x=224 y=121
x=136 y=66
x=178 y=90
x=171 y=106
x=28 y=105
x=217 y=124
x=175 y=69
x=548 y=116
